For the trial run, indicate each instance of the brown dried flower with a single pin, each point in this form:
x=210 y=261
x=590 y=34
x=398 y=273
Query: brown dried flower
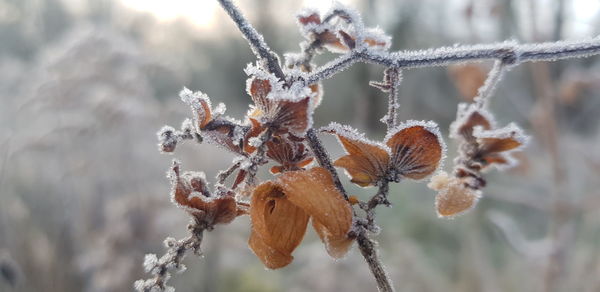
x=190 y=192
x=280 y=210
x=481 y=146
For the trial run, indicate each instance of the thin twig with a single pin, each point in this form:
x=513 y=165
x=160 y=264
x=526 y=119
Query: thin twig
x=256 y=40
x=508 y=52
x=369 y=252
x=485 y=91
x=258 y=156
x=223 y=175
x=380 y=198
x=391 y=82
x=171 y=260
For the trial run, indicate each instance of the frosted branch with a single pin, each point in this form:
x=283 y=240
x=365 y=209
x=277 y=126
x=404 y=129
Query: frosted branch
x=323 y=159
x=509 y=53
x=256 y=40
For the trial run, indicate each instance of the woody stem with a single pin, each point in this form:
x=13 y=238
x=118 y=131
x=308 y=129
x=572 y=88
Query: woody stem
x=173 y=257
x=393 y=79
x=256 y=40
x=369 y=251
x=365 y=244
x=259 y=155
x=322 y=157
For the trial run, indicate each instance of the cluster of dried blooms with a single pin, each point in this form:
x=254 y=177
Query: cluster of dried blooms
x=278 y=129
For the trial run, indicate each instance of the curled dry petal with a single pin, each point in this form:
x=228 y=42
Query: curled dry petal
x=200 y=104
x=495 y=146
x=271 y=257
x=417 y=149
x=366 y=162
x=309 y=18
x=292 y=116
x=189 y=191
x=475 y=119
x=469 y=117
x=223 y=134
x=290 y=154
x=314 y=191
x=278 y=225
x=453 y=197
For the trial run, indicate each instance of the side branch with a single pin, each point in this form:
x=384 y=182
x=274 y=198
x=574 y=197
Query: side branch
x=256 y=40
x=508 y=53
x=171 y=260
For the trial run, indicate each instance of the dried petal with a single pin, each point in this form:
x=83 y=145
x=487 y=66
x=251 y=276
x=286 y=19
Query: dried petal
x=278 y=222
x=417 y=149
x=287 y=115
x=469 y=117
x=376 y=38
x=223 y=134
x=310 y=18
x=475 y=118
x=200 y=104
x=292 y=116
x=271 y=258
x=453 y=197
x=314 y=191
x=291 y=154
x=366 y=161
x=495 y=145
x=332 y=42
x=255 y=129
x=317 y=91
x=337 y=246
x=259 y=90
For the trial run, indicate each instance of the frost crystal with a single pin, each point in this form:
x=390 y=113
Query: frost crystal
x=150 y=262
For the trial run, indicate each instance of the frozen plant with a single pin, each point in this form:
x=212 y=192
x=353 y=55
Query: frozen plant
x=306 y=186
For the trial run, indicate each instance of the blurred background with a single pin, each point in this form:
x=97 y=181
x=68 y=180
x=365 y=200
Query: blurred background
x=85 y=85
